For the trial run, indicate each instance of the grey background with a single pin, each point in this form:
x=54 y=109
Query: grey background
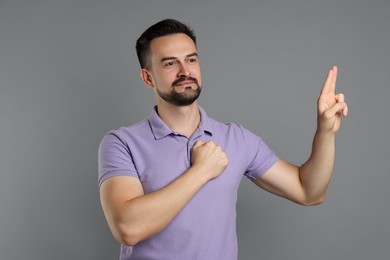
x=69 y=74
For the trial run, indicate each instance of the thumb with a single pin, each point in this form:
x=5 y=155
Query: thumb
x=198 y=143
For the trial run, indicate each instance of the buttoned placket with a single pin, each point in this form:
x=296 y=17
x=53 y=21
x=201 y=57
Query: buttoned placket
x=190 y=143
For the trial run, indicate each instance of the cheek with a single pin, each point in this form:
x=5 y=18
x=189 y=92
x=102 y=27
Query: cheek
x=199 y=78
x=165 y=79
x=198 y=74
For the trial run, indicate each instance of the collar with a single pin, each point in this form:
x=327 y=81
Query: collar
x=161 y=130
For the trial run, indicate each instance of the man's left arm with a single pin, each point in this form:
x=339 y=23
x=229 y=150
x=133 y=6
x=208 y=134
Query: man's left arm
x=308 y=183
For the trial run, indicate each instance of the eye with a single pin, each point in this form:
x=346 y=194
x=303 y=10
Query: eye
x=193 y=60
x=170 y=64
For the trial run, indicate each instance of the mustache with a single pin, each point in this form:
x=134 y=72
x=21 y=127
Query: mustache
x=183 y=78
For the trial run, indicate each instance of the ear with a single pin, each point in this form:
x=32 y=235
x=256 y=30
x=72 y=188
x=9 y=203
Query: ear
x=146 y=77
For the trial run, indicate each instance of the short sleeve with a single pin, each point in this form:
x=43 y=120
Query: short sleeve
x=114 y=159
x=259 y=157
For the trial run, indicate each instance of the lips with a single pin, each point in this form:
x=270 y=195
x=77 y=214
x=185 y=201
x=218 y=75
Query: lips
x=184 y=81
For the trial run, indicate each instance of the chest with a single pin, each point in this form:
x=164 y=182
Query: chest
x=165 y=160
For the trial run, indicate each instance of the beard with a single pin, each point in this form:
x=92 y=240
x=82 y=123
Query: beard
x=185 y=98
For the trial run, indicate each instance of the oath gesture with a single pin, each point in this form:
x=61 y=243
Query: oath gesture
x=330 y=106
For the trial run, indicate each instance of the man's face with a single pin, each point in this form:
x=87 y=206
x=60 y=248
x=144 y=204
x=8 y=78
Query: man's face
x=175 y=72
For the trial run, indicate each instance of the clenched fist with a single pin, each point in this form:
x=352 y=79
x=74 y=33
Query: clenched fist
x=209 y=157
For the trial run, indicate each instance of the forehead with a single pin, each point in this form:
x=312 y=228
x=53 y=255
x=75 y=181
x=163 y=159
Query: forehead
x=173 y=45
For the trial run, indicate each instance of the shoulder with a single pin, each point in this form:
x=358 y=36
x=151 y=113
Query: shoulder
x=127 y=132
x=126 y=136
x=231 y=128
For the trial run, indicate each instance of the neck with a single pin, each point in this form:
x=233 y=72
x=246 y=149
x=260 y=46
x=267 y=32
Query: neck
x=183 y=120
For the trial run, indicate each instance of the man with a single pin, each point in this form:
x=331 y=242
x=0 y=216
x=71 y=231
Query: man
x=169 y=184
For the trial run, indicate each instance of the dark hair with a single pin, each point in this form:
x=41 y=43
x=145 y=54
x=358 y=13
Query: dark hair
x=162 y=28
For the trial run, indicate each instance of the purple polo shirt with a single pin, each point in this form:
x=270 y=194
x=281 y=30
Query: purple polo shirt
x=205 y=228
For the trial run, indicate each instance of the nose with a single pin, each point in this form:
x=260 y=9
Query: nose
x=184 y=71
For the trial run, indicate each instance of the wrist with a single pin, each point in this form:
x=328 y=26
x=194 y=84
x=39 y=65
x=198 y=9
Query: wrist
x=325 y=135
x=200 y=173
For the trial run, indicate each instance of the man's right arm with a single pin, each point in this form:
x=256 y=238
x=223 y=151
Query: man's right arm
x=134 y=216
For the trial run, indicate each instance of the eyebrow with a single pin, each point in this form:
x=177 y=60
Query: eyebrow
x=175 y=58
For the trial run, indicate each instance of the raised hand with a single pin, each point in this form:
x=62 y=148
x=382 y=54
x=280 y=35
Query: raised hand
x=331 y=107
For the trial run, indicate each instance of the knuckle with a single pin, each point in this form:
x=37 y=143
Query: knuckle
x=224 y=156
x=327 y=114
x=210 y=144
x=340 y=97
